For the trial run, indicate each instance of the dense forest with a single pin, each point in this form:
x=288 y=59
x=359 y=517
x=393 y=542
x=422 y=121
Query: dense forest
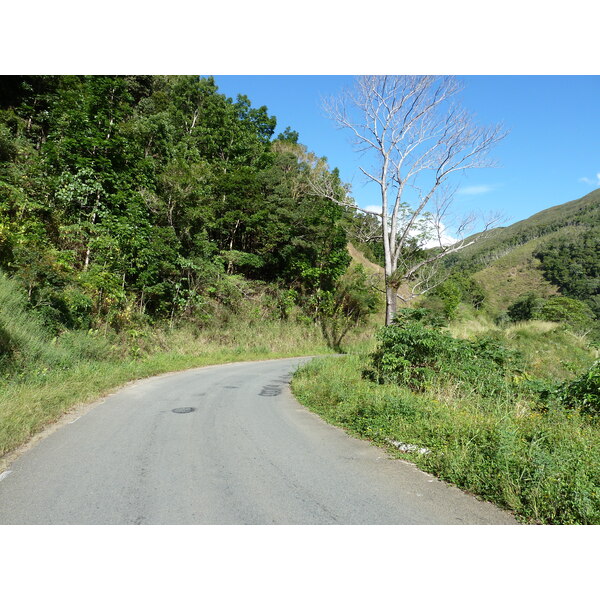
x=140 y=198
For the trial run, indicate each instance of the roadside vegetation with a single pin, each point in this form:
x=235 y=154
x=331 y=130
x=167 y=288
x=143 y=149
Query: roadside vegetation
x=40 y=396
x=44 y=374
x=492 y=380
x=477 y=413
x=150 y=224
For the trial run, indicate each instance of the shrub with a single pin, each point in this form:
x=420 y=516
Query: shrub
x=421 y=315
x=559 y=309
x=458 y=288
x=584 y=392
x=574 y=312
x=525 y=308
x=450 y=294
x=348 y=305
x=419 y=355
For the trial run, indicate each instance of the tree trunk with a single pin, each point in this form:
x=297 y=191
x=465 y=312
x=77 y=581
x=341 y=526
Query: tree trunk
x=86 y=262
x=390 y=302
x=230 y=264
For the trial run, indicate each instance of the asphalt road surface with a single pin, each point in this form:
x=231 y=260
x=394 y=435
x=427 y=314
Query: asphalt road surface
x=227 y=444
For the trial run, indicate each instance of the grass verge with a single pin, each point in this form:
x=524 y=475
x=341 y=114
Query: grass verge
x=542 y=466
x=39 y=397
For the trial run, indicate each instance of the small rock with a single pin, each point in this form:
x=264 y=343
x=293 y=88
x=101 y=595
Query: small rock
x=407 y=447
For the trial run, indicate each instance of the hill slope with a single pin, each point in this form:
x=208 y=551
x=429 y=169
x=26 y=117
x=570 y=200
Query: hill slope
x=504 y=262
x=584 y=212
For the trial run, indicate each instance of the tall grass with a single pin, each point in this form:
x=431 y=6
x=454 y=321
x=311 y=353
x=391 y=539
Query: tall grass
x=37 y=397
x=537 y=459
x=23 y=339
x=551 y=350
x=543 y=466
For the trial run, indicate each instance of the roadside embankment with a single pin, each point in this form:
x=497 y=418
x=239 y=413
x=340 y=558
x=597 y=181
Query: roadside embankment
x=544 y=466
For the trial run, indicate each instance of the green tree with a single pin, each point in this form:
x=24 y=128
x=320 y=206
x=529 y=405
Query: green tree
x=525 y=308
x=348 y=305
x=142 y=193
x=573 y=264
x=567 y=310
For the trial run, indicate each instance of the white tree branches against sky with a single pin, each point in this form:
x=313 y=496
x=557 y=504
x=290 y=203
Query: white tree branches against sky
x=414 y=136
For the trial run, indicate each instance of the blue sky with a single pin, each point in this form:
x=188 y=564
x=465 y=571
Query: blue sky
x=550 y=156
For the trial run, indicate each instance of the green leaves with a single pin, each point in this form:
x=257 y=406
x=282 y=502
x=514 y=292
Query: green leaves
x=152 y=190
x=420 y=355
x=573 y=263
x=347 y=305
x=582 y=393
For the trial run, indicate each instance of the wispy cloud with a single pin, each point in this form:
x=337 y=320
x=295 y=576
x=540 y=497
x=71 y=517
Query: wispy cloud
x=446 y=240
x=475 y=190
x=589 y=181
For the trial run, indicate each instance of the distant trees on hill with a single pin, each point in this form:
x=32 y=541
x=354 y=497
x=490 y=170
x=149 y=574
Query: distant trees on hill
x=573 y=264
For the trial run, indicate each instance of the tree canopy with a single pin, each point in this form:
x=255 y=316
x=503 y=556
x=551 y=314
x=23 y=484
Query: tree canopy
x=142 y=195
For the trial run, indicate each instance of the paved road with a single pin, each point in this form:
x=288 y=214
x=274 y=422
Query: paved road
x=247 y=453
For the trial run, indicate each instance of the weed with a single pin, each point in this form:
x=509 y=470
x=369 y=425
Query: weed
x=545 y=467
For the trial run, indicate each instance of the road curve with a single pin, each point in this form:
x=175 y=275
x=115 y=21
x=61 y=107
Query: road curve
x=246 y=453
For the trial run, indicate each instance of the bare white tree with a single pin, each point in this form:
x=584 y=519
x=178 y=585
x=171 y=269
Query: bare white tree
x=418 y=137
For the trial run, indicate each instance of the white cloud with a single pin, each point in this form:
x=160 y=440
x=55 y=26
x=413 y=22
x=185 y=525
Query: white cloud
x=588 y=181
x=373 y=207
x=447 y=240
x=475 y=190
x=421 y=225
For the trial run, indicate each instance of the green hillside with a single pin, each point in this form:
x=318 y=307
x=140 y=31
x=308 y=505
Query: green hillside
x=495 y=387
x=554 y=252
x=584 y=212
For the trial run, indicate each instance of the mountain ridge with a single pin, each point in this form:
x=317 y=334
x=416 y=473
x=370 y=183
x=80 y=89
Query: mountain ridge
x=505 y=261
x=581 y=211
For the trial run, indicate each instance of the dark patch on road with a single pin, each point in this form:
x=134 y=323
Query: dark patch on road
x=270 y=390
x=184 y=409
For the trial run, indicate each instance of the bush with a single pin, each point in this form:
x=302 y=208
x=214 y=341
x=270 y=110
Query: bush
x=450 y=294
x=575 y=313
x=446 y=298
x=348 y=305
x=584 y=392
x=559 y=309
x=525 y=308
x=420 y=315
x=419 y=355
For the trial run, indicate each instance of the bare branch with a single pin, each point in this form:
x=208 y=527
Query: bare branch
x=420 y=138
x=321 y=184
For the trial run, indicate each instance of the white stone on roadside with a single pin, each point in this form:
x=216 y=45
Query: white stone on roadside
x=407 y=447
